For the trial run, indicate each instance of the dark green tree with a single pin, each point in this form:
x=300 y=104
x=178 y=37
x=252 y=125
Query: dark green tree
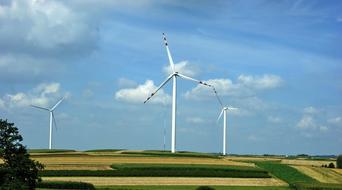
x=339 y=161
x=18 y=171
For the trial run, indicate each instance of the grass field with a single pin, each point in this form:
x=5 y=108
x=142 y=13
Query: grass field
x=184 y=170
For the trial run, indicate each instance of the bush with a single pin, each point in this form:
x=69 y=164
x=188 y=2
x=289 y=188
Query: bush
x=331 y=165
x=204 y=188
x=65 y=185
x=339 y=161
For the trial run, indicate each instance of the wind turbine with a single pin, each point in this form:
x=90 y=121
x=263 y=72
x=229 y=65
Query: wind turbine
x=224 y=112
x=173 y=76
x=52 y=117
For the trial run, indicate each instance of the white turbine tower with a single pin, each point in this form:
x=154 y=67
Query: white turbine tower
x=52 y=117
x=224 y=112
x=174 y=76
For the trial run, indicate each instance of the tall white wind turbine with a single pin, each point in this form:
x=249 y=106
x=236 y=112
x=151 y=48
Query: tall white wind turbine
x=173 y=76
x=52 y=117
x=224 y=112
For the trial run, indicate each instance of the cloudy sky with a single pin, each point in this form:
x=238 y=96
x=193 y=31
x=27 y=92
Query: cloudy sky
x=279 y=62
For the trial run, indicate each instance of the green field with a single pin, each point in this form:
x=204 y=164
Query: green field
x=165 y=170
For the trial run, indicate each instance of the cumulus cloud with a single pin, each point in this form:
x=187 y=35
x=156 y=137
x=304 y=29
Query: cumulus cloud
x=335 y=121
x=141 y=92
x=43 y=26
x=183 y=67
x=245 y=85
x=127 y=83
x=307 y=122
x=43 y=95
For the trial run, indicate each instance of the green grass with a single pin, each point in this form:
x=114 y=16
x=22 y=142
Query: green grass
x=169 y=154
x=49 y=151
x=64 y=185
x=316 y=186
x=285 y=172
x=188 y=188
x=166 y=170
x=104 y=150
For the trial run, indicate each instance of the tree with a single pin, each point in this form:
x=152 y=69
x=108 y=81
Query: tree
x=18 y=171
x=331 y=165
x=339 y=161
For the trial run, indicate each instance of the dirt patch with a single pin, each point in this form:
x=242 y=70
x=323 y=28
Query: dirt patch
x=107 y=181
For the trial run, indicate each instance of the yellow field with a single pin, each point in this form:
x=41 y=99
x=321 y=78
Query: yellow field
x=100 y=162
x=106 y=181
x=324 y=175
x=298 y=162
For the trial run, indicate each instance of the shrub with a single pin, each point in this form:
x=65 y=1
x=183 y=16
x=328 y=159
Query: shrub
x=331 y=165
x=339 y=161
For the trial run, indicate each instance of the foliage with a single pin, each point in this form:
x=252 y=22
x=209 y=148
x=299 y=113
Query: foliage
x=339 y=161
x=18 y=170
x=167 y=170
x=285 y=172
x=65 y=185
x=331 y=165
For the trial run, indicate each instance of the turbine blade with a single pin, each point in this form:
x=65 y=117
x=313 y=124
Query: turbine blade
x=60 y=101
x=169 y=54
x=219 y=117
x=54 y=120
x=40 y=107
x=232 y=108
x=192 y=79
x=217 y=96
x=159 y=87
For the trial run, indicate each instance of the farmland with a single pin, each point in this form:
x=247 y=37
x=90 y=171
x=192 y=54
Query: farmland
x=123 y=169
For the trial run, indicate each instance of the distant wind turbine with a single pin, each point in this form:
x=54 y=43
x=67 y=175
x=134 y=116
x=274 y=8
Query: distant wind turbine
x=174 y=76
x=52 y=117
x=224 y=112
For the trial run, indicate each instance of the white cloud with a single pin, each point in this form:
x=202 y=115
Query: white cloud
x=195 y=120
x=335 y=120
x=274 y=119
x=260 y=82
x=245 y=85
x=183 y=67
x=42 y=95
x=141 y=92
x=310 y=110
x=307 y=122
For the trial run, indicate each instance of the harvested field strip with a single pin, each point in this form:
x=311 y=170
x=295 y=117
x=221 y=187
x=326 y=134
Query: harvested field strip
x=77 y=167
x=317 y=163
x=338 y=170
x=285 y=172
x=108 y=181
x=104 y=160
x=158 y=170
x=177 y=187
x=324 y=175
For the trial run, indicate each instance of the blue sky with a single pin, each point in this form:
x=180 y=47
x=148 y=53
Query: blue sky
x=279 y=62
